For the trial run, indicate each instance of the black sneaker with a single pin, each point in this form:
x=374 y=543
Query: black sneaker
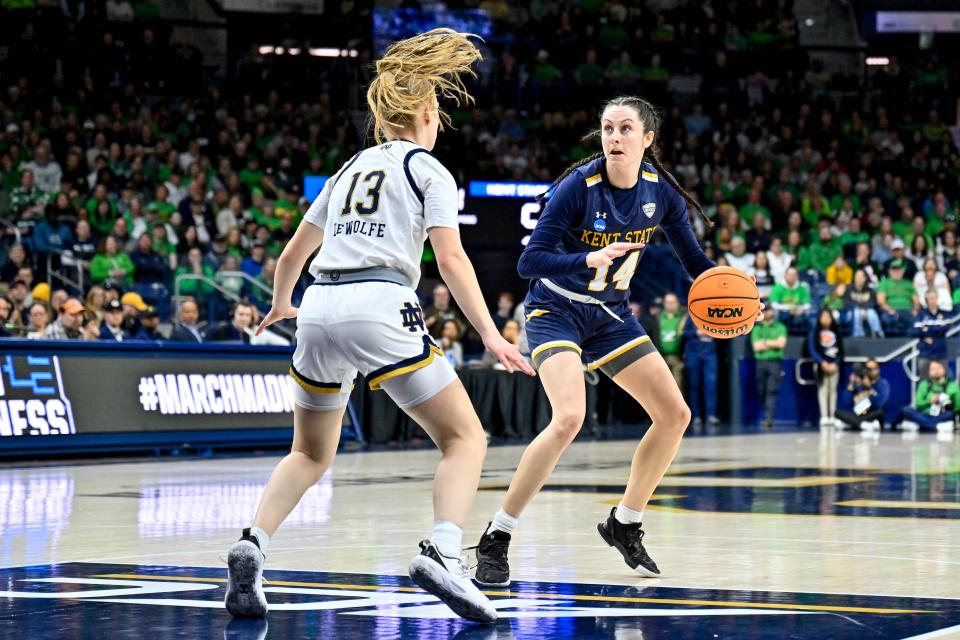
x=628 y=540
x=493 y=570
x=449 y=579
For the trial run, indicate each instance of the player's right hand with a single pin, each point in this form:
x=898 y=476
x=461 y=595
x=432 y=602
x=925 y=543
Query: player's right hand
x=508 y=355
x=275 y=315
x=605 y=257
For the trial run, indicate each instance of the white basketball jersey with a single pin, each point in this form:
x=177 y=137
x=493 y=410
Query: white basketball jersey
x=376 y=210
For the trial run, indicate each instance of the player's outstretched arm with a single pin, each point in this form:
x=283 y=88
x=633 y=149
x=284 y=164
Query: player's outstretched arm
x=457 y=272
x=289 y=267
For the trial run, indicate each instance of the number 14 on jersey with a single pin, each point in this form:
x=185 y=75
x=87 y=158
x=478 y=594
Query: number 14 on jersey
x=621 y=277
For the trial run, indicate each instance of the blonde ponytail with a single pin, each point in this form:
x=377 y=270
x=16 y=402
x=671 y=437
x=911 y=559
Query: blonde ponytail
x=415 y=70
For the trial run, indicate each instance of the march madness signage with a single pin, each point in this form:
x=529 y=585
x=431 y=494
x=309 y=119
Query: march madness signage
x=98 y=390
x=33 y=401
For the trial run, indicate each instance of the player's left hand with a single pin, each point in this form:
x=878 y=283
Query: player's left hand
x=762 y=306
x=508 y=355
x=275 y=315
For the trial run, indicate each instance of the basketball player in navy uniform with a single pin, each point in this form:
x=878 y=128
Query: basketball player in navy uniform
x=370 y=221
x=580 y=259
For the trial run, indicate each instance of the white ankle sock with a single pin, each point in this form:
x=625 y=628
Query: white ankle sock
x=626 y=515
x=503 y=521
x=448 y=538
x=263 y=540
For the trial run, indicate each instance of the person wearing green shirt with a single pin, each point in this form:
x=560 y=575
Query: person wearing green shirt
x=110 y=264
x=622 y=72
x=544 y=74
x=27 y=195
x=936 y=403
x=820 y=254
x=589 y=73
x=769 y=339
x=160 y=205
x=903 y=225
x=853 y=235
x=845 y=191
x=894 y=294
x=791 y=299
x=813 y=206
x=195 y=265
x=671 y=321
x=754 y=206
x=897 y=297
x=251 y=175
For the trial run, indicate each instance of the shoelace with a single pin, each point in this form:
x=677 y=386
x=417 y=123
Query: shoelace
x=463 y=568
x=497 y=555
x=635 y=538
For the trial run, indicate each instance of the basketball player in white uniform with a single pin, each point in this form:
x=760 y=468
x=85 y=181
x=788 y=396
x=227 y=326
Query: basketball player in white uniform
x=370 y=221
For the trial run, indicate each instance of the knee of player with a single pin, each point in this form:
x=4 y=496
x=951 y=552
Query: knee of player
x=472 y=440
x=319 y=459
x=672 y=415
x=567 y=423
x=478 y=442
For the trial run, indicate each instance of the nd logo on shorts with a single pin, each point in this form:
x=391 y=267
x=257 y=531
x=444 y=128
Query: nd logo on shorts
x=600 y=223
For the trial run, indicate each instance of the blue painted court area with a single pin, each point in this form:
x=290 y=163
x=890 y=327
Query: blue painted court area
x=799 y=491
x=80 y=600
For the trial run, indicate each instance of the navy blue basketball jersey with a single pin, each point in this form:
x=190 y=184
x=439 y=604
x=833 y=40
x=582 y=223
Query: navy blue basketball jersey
x=587 y=213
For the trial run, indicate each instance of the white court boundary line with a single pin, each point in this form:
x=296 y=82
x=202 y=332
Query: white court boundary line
x=669 y=585
x=940 y=633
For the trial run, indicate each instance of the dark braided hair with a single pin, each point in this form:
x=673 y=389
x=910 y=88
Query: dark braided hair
x=651 y=122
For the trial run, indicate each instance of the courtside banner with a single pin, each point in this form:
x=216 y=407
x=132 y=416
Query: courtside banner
x=64 y=389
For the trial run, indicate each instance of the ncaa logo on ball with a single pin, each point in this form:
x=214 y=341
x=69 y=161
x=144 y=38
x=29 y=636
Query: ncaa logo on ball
x=599 y=225
x=725 y=312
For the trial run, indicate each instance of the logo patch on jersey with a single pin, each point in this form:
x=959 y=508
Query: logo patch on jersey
x=650 y=208
x=600 y=223
x=412 y=317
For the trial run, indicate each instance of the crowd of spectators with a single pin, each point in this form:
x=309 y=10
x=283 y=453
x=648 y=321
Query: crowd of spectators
x=120 y=169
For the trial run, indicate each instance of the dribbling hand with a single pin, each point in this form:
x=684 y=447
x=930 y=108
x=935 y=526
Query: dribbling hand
x=605 y=257
x=275 y=315
x=508 y=355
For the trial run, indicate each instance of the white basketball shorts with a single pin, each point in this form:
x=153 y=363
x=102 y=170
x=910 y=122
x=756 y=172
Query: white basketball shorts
x=372 y=327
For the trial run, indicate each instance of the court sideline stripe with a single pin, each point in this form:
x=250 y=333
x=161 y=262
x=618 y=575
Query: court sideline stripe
x=556 y=596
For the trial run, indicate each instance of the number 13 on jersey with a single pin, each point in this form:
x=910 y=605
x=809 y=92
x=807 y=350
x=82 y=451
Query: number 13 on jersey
x=621 y=277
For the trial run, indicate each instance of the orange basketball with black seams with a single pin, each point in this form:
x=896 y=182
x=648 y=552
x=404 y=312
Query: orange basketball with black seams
x=724 y=302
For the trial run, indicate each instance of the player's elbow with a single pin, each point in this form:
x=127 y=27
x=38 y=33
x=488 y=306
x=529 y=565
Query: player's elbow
x=525 y=266
x=450 y=261
x=523 y=270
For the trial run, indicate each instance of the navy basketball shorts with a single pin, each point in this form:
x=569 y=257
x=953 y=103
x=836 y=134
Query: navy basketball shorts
x=555 y=323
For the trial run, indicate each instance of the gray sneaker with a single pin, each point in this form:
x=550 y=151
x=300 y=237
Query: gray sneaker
x=245 y=598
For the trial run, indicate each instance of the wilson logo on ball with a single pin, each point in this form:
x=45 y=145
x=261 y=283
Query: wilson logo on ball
x=728 y=312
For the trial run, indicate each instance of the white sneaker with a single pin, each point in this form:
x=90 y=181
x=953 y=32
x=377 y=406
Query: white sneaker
x=245 y=597
x=870 y=425
x=945 y=427
x=837 y=424
x=449 y=579
x=909 y=425
x=825 y=422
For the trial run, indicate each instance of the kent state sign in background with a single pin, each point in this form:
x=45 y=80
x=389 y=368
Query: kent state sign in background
x=58 y=395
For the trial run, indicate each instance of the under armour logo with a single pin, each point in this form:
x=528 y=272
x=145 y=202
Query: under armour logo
x=601 y=215
x=412 y=316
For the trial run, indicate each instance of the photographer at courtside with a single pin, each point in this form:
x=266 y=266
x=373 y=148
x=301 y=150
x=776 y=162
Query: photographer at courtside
x=870 y=393
x=936 y=403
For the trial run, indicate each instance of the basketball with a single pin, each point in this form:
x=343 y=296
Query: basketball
x=724 y=302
